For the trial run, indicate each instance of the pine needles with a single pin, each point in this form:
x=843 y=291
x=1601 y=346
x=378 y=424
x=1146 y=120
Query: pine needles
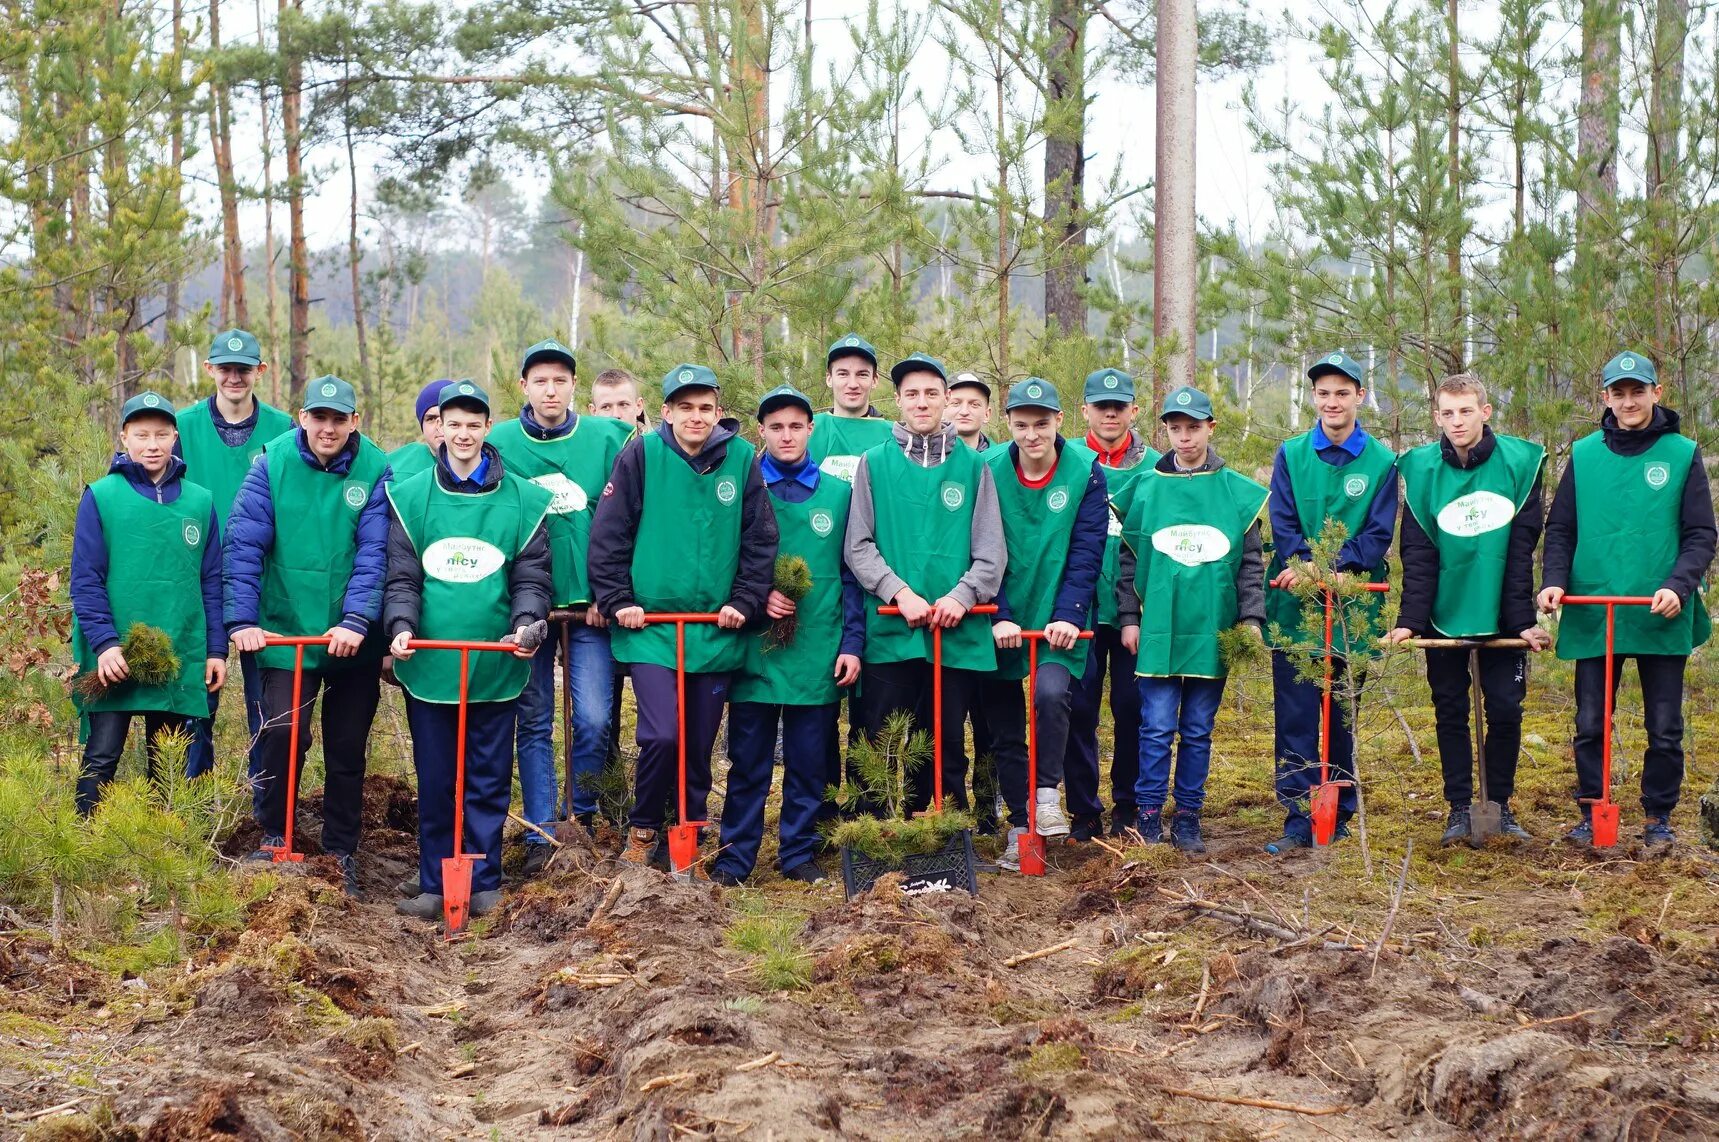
x=149 y=657
x=793 y=579
x=883 y=771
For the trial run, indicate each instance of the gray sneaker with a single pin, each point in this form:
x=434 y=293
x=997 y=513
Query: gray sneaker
x=483 y=903
x=1510 y=826
x=409 y=887
x=1051 y=820
x=424 y=906
x=264 y=854
x=1011 y=858
x=348 y=872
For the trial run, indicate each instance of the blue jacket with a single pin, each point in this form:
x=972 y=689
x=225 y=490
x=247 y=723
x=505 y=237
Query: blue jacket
x=795 y=486
x=1362 y=551
x=251 y=536
x=1079 y=586
x=89 y=560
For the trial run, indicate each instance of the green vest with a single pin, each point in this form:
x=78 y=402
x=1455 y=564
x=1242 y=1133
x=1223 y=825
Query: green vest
x=408 y=460
x=1115 y=481
x=837 y=442
x=1038 y=524
x=208 y=460
x=685 y=557
x=924 y=527
x=154 y=576
x=1325 y=492
x=305 y=573
x=1628 y=530
x=1467 y=514
x=467 y=543
x=802 y=673
x=572 y=469
x=1186 y=531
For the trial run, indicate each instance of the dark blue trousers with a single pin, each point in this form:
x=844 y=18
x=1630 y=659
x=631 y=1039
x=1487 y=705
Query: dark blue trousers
x=200 y=758
x=1081 y=765
x=489 y=785
x=656 y=795
x=1297 y=704
x=808 y=739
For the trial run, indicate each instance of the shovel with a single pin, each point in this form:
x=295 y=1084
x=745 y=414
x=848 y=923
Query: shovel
x=1322 y=806
x=1603 y=810
x=937 y=699
x=683 y=835
x=284 y=851
x=1485 y=818
x=1032 y=846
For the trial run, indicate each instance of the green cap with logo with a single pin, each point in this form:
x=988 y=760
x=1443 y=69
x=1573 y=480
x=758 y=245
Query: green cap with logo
x=147 y=402
x=549 y=350
x=688 y=376
x=1629 y=366
x=1188 y=401
x=469 y=391
x=1034 y=392
x=330 y=392
x=1111 y=385
x=1338 y=362
x=235 y=347
x=783 y=395
x=915 y=363
x=850 y=345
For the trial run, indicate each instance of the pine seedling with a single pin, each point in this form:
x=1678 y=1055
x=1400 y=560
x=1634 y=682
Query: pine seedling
x=794 y=579
x=149 y=656
x=884 y=769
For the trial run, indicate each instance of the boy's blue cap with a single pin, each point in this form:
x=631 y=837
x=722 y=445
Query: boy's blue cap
x=1629 y=366
x=463 y=391
x=547 y=350
x=688 y=376
x=916 y=362
x=850 y=345
x=1188 y=401
x=1034 y=392
x=235 y=347
x=147 y=402
x=330 y=392
x=1338 y=362
x=1108 y=385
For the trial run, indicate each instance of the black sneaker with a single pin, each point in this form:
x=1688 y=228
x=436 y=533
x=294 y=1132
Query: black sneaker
x=1289 y=842
x=725 y=878
x=1084 y=830
x=1150 y=825
x=1583 y=833
x=536 y=859
x=1456 y=827
x=805 y=873
x=424 y=906
x=348 y=872
x=1658 y=834
x=1185 y=832
x=264 y=852
x=1510 y=826
x=1122 y=819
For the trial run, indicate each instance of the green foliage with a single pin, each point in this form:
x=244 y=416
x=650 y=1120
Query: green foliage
x=1241 y=648
x=1049 y=1059
x=772 y=938
x=149 y=658
x=883 y=770
x=794 y=579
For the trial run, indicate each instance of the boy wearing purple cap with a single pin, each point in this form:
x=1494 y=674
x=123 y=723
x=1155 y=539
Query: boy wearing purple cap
x=419 y=455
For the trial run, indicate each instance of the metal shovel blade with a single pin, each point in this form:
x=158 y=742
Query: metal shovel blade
x=456 y=893
x=1605 y=824
x=282 y=853
x=1485 y=821
x=1032 y=852
x=683 y=850
x=1324 y=813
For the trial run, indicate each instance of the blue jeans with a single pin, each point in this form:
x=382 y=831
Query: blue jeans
x=200 y=757
x=592 y=670
x=1172 y=707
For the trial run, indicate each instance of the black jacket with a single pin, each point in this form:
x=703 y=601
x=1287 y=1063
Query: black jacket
x=1699 y=535
x=530 y=581
x=615 y=525
x=1420 y=556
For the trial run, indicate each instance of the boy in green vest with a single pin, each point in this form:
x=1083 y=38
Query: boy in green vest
x=1467 y=543
x=841 y=435
x=1632 y=516
x=1052 y=499
x=568 y=456
x=924 y=534
x=684 y=525
x=615 y=394
x=146 y=548
x=794 y=689
x=306 y=554
x=969 y=410
x=420 y=455
x=1122 y=455
x=1190 y=568
x=1337 y=472
x=219 y=439
x=468 y=560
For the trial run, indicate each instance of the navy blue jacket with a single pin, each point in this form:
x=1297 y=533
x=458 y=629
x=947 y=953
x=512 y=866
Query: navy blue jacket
x=1362 y=551
x=89 y=560
x=790 y=488
x=1074 y=596
x=251 y=536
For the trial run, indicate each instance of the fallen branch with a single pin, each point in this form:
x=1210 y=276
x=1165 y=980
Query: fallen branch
x=758 y=1064
x=1205 y=989
x=661 y=1081
x=538 y=829
x=1414 y=746
x=1396 y=903
x=1260 y=1103
x=1017 y=961
x=64 y=1107
x=1559 y=1019
x=608 y=902
x=1258 y=924
x=1483 y=1003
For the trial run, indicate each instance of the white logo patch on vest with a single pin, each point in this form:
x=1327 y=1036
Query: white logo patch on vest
x=354 y=495
x=1355 y=487
x=1057 y=500
x=726 y=491
x=192 y=533
x=462 y=560
x=1475 y=514
x=1115 y=525
x=822 y=523
x=566 y=497
x=1656 y=474
x=953 y=496
x=841 y=467
x=1191 y=544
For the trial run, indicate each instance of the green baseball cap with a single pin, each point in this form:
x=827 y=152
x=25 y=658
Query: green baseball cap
x=688 y=376
x=463 y=391
x=235 y=347
x=1338 y=362
x=147 y=402
x=971 y=381
x=781 y=395
x=916 y=362
x=332 y=393
x=1111 y=385
x=1629 y=366
x=1034 y=392
x=1188 y=401
x=850 y=345
x=550 y=350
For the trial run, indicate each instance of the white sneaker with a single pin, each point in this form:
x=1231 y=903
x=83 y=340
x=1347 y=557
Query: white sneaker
x=1051 y=820
x=1011 y=858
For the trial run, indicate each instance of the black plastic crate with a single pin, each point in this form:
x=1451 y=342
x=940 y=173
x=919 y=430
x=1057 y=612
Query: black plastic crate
x=946 y=870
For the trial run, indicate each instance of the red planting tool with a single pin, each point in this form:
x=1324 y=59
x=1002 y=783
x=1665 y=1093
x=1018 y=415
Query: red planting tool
x=1032 y=846
x=1323 y=806
x=564 y=619
x=284 y=851
x=1604 y=810
x=937 y=699
x=683 y=836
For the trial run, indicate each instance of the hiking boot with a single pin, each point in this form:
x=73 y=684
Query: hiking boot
x=805 y=873
x=348 y=872
x=641 y=847
x=424 y=906
x=483 y=903
x=264 y=854
x=588 y=820
x=1049 y=816
x=1150 y=825
x=1123 y=818
x=1658 y=835
x=1289 y=842
x=1510 y=827
x=1185 y=832
x=1011 y=858
x=1456 y=827
x=1583 y=833
x=1086 y=829
x=409 y=887
x=725 y=878
x=536 y=860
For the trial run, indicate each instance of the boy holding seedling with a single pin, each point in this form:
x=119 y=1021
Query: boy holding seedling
x=146 y=549
x=468 y=560
x=792 y=683
x=1632 y=516
x=684 y=525
x=1335 y=472
x=306 y=554
x=1467 y=544
x=840 y=436
x=1190 y=569
x=420 y=455
x=1123 y=456
x=925 y=535
x=569 y=456
x=1052 y=499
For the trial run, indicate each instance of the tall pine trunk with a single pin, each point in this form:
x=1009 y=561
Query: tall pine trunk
x=1065 y=166
x=298 y=254
x=270 y=269
x=1175 y=254
x=234 y=310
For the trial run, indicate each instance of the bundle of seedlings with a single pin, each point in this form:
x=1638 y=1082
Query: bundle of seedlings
x=149 y=659
x=794 y=580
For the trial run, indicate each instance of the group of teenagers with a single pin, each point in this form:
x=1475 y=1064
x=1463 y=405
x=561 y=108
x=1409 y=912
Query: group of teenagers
x=228 y=521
